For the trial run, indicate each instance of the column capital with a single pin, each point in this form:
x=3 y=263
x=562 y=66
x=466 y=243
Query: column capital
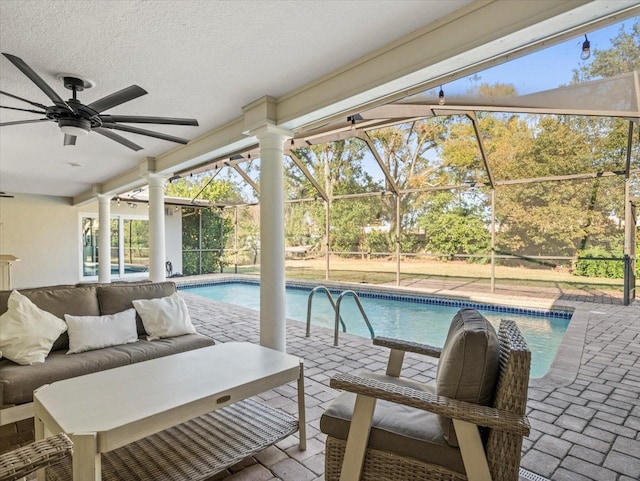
x=156 y=180
x=270 y=131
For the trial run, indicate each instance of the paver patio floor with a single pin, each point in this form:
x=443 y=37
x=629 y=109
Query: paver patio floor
x=585 y=415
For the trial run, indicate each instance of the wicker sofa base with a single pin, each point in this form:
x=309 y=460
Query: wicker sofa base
x=385 y=466
x=195 y=450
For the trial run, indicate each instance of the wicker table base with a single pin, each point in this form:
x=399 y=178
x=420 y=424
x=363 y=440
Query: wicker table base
x=195 y=450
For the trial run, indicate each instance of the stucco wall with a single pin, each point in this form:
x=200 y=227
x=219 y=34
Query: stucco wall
x=44 y=232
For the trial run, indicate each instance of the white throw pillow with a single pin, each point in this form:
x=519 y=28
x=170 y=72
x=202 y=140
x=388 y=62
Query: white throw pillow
x=27 y=333
x=95 y=332
x=164 y=317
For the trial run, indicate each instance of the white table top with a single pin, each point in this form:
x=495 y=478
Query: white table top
x=153 y=395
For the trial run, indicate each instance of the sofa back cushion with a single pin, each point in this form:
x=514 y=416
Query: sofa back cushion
x=469 y=364
x=59 y=300
x=116 y=298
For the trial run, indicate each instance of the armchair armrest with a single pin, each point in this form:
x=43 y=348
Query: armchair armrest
x=407 y=346
x=451 y=408
x=20 y=462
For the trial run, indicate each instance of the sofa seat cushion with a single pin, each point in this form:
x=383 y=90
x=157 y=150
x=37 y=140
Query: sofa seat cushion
x=17 y=383
x=116 y=297
x=395 y=428
x=60 y=300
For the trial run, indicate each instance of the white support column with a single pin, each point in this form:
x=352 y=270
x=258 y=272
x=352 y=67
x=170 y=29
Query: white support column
x=157 y=257
x=272 y=277
x=104 y=238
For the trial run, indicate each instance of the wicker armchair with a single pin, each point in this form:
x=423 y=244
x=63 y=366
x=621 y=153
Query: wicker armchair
x=23 y=461
x=489 y=436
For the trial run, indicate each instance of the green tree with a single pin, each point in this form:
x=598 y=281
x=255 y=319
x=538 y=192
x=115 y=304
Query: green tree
x=404 y=152
x=204 y=229
x=337 y=169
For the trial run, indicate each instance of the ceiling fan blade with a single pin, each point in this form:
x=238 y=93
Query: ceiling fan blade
x=133 y=119
x=35 y=104
x=118 y=138
x=23 y=110
x=36 y=79
x=17 y=122
x=69 y=139
x=117 y=98
x=148 y=133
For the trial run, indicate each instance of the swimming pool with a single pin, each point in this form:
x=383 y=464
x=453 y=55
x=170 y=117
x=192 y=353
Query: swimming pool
x=410 y=317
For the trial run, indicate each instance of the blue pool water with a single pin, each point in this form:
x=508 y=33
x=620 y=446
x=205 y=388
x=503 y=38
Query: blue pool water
x=419 y=319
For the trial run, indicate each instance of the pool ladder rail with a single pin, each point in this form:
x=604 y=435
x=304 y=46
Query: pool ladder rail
x=336 y=309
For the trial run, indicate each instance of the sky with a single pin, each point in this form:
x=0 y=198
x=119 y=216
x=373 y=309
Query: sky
x=545 y=69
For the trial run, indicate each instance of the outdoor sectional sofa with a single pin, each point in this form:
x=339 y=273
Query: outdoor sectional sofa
x=17 y=382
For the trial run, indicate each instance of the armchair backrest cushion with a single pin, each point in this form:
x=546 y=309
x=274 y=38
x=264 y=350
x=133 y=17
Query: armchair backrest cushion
x=469 y=364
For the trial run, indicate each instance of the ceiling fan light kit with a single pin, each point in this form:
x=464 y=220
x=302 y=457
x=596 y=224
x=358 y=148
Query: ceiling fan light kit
x=77 y=119
x=74 y=126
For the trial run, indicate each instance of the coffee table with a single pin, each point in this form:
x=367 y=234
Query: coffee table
x=108 y=410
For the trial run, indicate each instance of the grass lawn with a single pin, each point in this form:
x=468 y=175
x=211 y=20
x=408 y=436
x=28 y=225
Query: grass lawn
x=381 y=272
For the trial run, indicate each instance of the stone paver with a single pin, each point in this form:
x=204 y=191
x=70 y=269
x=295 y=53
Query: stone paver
x=585 y=419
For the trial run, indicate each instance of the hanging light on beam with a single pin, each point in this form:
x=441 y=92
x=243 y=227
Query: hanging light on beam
x=586 y=49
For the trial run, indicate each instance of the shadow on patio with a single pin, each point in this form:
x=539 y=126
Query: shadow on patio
x=587 y=428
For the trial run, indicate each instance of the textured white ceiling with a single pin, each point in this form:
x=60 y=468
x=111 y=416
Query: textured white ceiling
x=197 y=59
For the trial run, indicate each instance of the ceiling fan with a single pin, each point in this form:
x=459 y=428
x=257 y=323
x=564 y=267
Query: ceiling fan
x=75 y=118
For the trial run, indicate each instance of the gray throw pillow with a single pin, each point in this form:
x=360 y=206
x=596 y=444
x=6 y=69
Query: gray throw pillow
x=469 y=364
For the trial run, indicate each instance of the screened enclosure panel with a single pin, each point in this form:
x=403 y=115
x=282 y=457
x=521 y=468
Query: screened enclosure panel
x=560 y=218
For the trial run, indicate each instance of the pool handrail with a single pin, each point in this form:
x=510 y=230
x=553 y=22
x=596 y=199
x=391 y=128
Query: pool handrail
x=333 y=304
x=359 y=304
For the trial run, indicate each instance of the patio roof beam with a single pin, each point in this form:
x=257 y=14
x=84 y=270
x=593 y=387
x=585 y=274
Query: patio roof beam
x=451 y=48
x=392 y=182
x=307 y=174
x=510 y=109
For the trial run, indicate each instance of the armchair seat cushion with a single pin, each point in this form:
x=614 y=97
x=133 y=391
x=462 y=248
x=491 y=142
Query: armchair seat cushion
x=402 y=430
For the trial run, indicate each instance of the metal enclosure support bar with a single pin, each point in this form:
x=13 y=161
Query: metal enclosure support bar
x=483 y=152
x=392 y=182
x=398 y=245
x=630 y=226
x=493 y=241
x=307 y=174
x=246 y=178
